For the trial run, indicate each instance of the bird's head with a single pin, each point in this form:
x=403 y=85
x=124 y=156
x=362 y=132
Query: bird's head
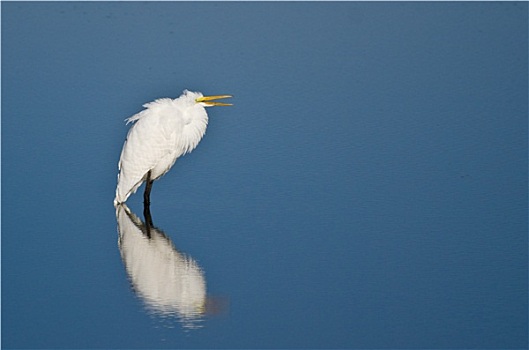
x=191 y=98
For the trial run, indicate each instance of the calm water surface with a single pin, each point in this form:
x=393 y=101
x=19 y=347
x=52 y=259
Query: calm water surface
x=367 y=190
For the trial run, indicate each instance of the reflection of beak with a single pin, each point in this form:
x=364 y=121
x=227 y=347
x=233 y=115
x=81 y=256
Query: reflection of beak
x=207 y=100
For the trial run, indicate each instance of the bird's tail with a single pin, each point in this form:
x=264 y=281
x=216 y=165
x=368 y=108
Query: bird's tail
x=118 y=199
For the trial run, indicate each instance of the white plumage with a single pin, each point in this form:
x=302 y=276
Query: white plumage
x=165 y=130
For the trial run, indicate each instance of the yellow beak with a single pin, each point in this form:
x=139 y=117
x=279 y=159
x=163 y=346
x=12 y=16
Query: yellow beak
x=208 y=100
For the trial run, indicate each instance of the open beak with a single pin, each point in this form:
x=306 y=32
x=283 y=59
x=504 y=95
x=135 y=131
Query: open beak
x=209 y=100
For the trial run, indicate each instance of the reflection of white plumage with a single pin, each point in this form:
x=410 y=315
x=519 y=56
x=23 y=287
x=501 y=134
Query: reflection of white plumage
x=164 y=131
x=169 y=282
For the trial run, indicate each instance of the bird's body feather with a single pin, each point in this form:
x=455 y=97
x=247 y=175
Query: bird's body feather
x=164 y=131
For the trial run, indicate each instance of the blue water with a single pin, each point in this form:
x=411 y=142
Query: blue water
x=368 y=189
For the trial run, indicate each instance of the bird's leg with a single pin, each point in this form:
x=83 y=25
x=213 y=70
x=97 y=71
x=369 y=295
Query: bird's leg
x=147 y=193
x=148 y=219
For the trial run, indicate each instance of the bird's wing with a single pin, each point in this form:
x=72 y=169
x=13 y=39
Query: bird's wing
x=148 y=141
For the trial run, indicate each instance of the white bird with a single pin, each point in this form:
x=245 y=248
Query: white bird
x=165 y=130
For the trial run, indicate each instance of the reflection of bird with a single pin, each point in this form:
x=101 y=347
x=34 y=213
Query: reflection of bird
x=164 y=131
x=169 y=282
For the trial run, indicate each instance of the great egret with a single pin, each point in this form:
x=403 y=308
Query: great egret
x=165 y=130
